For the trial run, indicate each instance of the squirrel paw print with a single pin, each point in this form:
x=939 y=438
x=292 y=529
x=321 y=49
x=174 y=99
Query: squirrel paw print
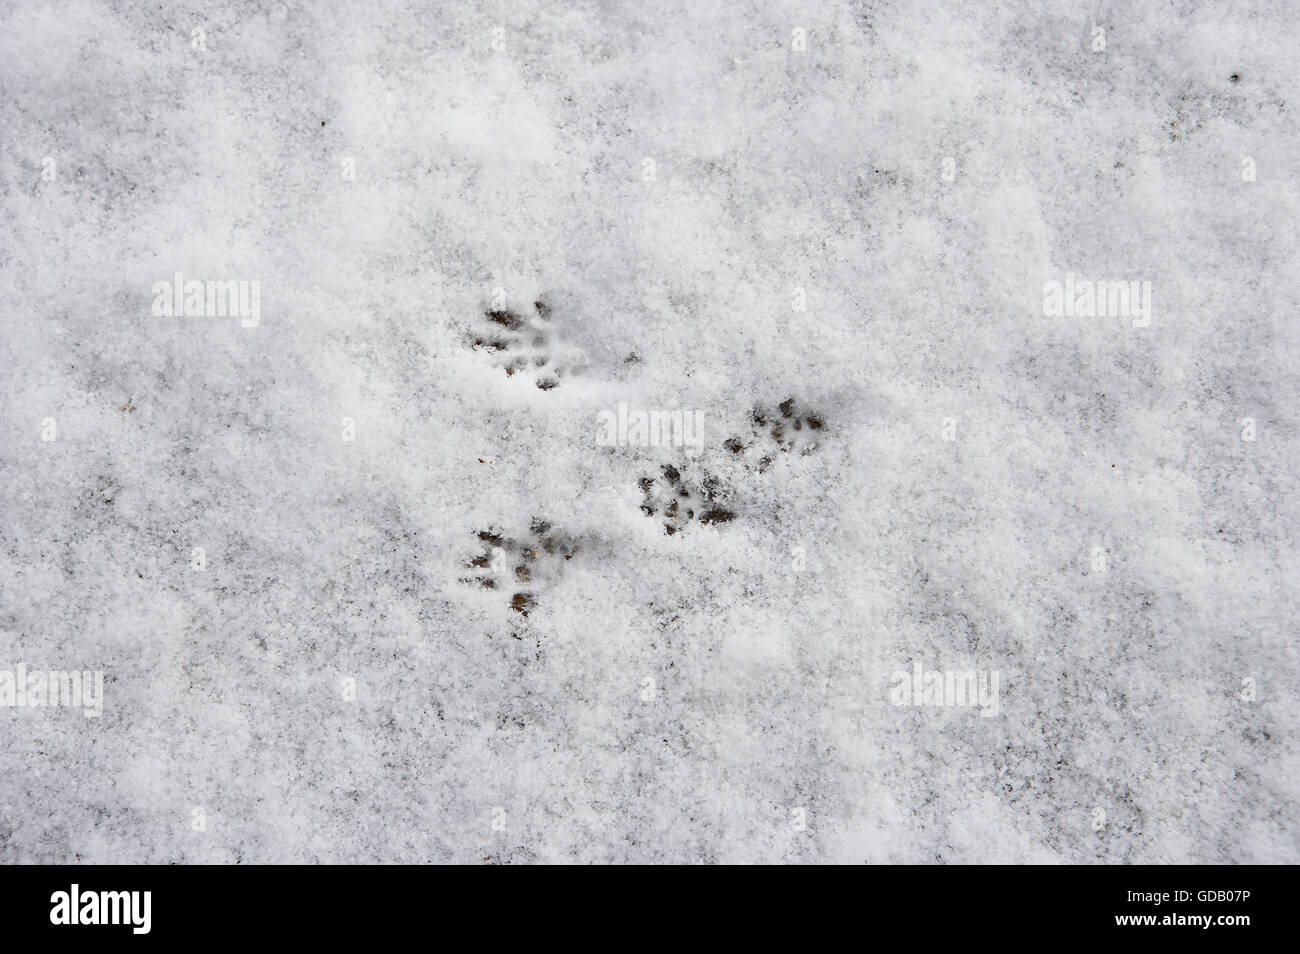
x=523 y=344
x=679 y=501
x=525 y=567
x=787 y=430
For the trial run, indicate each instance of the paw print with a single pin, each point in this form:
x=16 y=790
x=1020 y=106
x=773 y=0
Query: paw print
x=520 y=344
x=678 y=500
x=785 y=430
x=525 y=566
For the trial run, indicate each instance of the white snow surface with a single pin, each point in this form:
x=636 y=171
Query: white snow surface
x=1069 y=502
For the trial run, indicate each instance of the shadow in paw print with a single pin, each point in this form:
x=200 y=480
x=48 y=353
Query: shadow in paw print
x=525 y=566
x=678 y=500
x=523 y=344
x=783 y=431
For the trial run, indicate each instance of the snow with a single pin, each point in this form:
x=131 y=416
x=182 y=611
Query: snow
x=684 y=212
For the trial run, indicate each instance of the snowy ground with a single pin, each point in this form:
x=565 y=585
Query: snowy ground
x=717 y=208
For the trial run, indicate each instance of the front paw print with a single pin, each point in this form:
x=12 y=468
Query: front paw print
x=526 y=345
x=787 y=430
x=526 y=566
x=679 y=501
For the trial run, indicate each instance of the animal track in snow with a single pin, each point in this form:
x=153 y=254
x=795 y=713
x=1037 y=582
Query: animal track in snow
x=525 y=566
x=678 y=500
x=692 y=493
x=524 y=345
x=783 y=431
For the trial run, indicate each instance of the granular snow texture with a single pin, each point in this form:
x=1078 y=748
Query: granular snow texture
x=371 y=576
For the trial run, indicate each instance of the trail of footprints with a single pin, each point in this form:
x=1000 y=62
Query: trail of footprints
x=679 y=495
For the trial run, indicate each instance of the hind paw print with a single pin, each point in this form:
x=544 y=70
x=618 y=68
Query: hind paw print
x=678 y=501
x=520 y=344
x=783 y=431
x=525 y=566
